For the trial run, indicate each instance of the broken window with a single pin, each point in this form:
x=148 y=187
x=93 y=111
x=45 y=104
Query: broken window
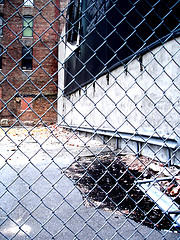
x=28 y=2
x=27 y=56
x=27 y=26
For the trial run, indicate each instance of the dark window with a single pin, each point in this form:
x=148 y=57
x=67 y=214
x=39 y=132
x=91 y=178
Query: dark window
x=1 y=1
x=1 y=51
x=27 y=58
x=73 y=15
x=27 y=26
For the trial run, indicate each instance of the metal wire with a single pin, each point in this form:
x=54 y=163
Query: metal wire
x=89 y=119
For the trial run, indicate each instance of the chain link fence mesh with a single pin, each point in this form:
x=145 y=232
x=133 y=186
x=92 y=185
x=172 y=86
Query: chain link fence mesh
x=89 y=135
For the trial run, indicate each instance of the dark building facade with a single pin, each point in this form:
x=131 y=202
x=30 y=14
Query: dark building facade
x=110 y=33
x=28 y=61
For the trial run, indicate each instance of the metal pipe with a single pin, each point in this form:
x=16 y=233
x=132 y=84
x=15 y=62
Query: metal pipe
x=139 y=137
x=154 y=180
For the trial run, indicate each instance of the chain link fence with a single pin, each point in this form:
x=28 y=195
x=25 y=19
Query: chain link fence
x=89 y=119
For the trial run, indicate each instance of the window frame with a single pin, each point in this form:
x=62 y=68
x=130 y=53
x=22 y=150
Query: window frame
x=27 y=59
x=27 y=25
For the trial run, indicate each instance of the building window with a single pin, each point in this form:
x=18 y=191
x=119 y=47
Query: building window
x=1 y=51
x=27 y=26
x=1 y=26
x=28 y=2
x=1 y=1
x=27 y=56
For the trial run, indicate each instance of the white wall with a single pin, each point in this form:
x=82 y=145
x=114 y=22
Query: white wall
x=144 y=101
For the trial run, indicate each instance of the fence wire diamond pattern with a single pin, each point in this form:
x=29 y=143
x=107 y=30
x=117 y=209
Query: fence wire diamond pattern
x=89 y=119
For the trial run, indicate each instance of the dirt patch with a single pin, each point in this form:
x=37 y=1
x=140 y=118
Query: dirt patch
x=108 y=182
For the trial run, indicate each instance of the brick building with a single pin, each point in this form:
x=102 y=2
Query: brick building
x=28 y=61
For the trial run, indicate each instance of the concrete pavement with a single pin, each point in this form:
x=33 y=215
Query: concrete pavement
x=38 y=201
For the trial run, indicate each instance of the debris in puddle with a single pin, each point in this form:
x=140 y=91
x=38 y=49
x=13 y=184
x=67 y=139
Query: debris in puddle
x=108 y=182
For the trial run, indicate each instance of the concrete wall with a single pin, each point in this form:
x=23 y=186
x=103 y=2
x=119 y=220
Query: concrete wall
x=140 y=99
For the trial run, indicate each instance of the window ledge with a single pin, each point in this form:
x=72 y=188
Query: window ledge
x=26 y=110
x=27 y=37
x=27 y=72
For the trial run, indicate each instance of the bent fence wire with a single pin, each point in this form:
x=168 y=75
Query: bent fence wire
x=89 y=135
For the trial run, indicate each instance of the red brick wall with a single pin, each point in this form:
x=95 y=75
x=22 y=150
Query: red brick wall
x=41 y=85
